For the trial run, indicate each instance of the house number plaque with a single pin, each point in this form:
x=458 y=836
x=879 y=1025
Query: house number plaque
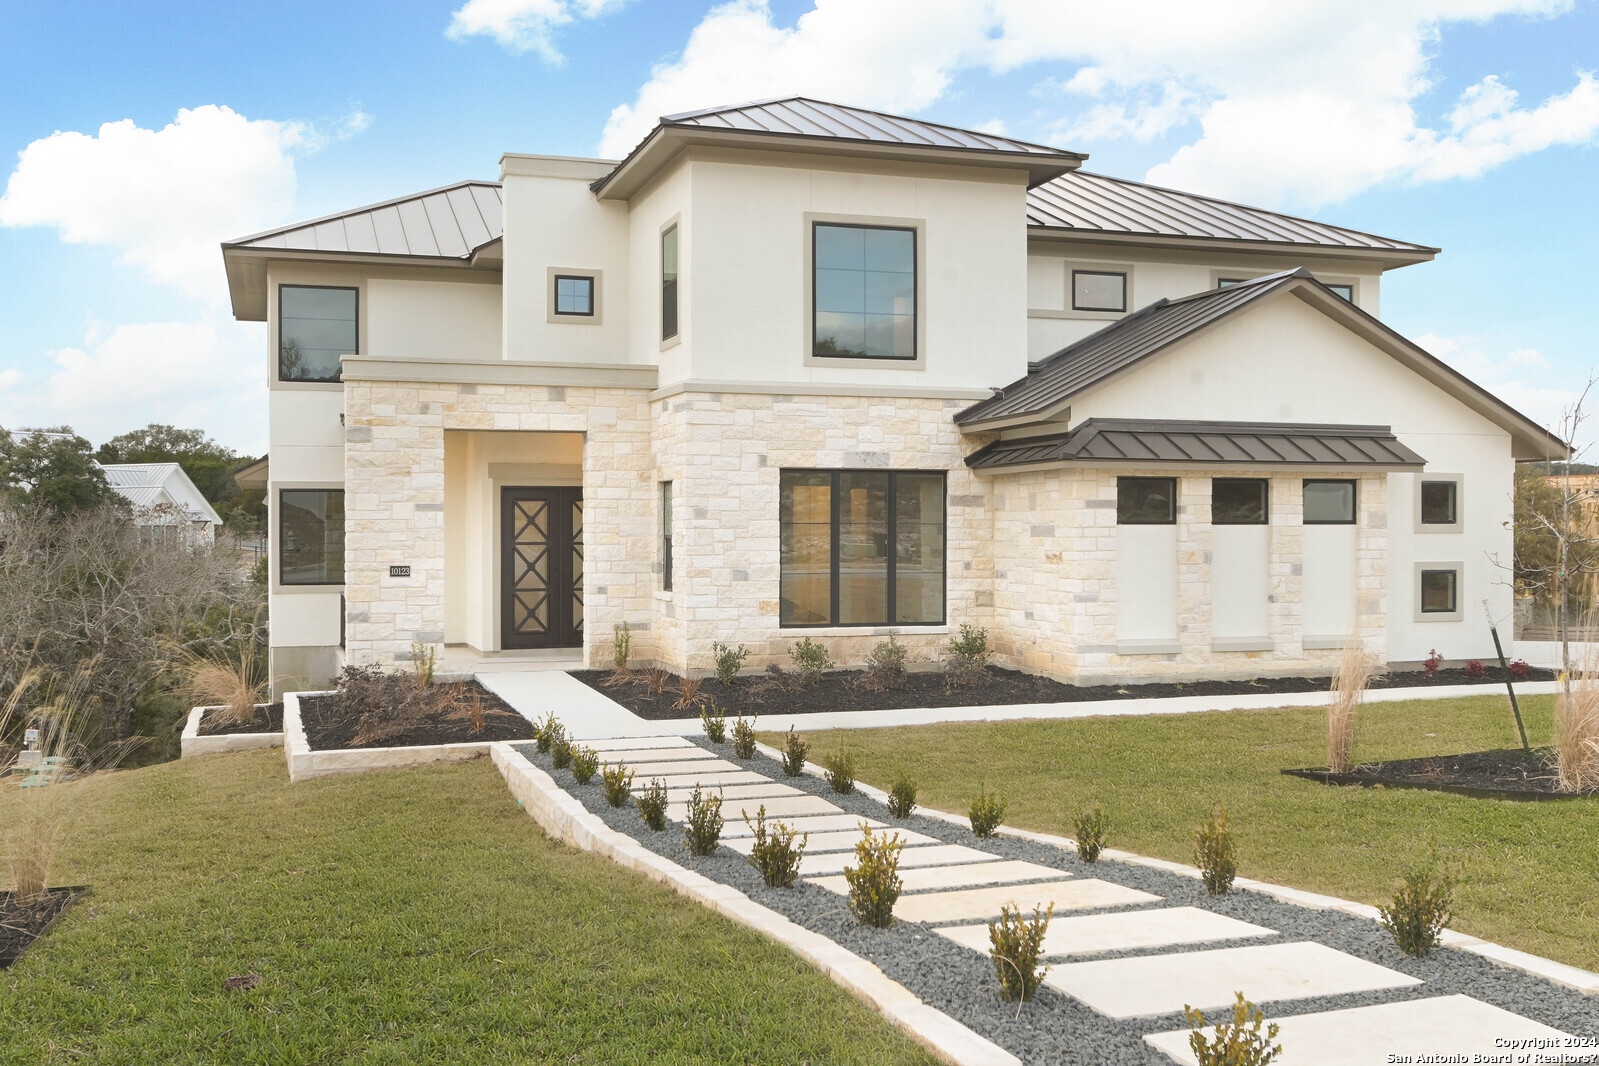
x=399 y=571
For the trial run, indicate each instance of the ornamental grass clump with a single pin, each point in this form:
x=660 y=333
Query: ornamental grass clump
x=987 y=811
x=688 y=693
x=651 y=804
x=1214 y=855
x=811 y=660
x=561 y=751
x=729 y=661
x=1356 y=670
x=1016 y=942
x=702 y=824
x=714 y=720
x=585 y=761
x=902 y=797
x=1090 y=827
x=1577 y=732
x=1240 y=1042
x=794 y=752
x=232 y=685
x=744 y=738
x=618 y=783
x=1420 y=908
x=841 y=771
x=874 y=883
x=774 y=852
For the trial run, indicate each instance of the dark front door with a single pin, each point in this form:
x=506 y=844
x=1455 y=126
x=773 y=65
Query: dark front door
x=541 y=568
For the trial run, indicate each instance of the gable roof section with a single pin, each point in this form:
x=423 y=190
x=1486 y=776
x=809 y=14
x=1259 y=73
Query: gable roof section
x=156 y=484
x=1169 y=442
x=1047 y=390
x=1095 y=205
x=802 y=123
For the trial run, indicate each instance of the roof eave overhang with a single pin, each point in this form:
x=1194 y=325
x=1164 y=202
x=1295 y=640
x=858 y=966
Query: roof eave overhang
x=247 y=266
x=666 y=142
x=1197 y=464
x=1390 y=258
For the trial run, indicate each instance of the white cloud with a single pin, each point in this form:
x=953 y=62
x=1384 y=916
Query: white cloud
x=1291 y=104
x=1523 y=378
x=524 y=25
x=9 y=378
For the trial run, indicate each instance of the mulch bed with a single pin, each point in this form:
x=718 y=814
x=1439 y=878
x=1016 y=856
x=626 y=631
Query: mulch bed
x=21 y=925
x=329 y=725
x=843 y=691
x=268 y=719
x=1509 y=773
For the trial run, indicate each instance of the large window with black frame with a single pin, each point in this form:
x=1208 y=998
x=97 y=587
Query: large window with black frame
x=862 y=547
x=311 y=537
x=316 y=325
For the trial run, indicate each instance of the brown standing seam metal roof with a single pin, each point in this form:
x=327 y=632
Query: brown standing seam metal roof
x=447 y=223
x=1159 y=442
x=1087 y=202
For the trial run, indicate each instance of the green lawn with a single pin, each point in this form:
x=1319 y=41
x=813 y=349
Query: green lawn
x=411 y=916
x=1530 y=870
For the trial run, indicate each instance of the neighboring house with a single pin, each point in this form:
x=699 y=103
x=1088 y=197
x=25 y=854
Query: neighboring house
x=798 y=369
x=163 y=497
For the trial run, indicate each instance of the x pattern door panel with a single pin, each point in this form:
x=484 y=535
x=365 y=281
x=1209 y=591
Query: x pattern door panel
x=541 y=567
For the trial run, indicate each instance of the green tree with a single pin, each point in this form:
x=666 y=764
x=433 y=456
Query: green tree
x=52 y=468
x=208 y=464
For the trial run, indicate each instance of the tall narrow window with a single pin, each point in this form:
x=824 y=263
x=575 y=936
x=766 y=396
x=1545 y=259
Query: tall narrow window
x=862 y=547
x=669 y=283
x=666 y=536
x=311 y=537
x=316 y=325
x=863 y=292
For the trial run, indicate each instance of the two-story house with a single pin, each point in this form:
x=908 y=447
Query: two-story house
x=800 y=369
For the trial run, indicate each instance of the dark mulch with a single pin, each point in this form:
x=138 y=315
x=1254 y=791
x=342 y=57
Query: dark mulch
x=330 y=725
x=22 y=924
x=843 y=691
x=1509 y=773
x=268 y=719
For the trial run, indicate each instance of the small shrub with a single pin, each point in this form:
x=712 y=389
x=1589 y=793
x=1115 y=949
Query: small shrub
x=967 y=661
x=1090 y=827
x=424 y=661
x=1015 y=945
x=1420 y=909
x=794 y=751
x=902 y=797
x=1235 y=1043
x=561 y=752
x=702 y=825
x=657 y=679
x=774 y=853
x=729 y=661
x=546 y=732
x=744 y=738
x=885 y=666
x=1213 y=853
x=1432 y=662
x=986 y=812
x=1520 y=669
x=841 y=771
x=651 y=804
x=781 y=679
x=621 y=647
x=1474 y=668
x=618 y=782
x=385 y=704
x=688 y=693
x=585 y=761
x=874 y=883
x=714 y=721
x=811 y=660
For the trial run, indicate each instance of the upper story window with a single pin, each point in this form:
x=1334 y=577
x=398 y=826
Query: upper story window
x=864 y=291
x=669 y=283
x=1146 y=501
x=574 y=295
x=1329 y=503
x=1099 y=290
x=1345 y=291
x=1227 y=283
x=311 y=537
x=1439 y=503
x=1238 y=501
x=316 y=325
x=1339 y=288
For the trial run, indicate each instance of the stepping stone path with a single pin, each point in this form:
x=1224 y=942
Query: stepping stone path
x=952 y=886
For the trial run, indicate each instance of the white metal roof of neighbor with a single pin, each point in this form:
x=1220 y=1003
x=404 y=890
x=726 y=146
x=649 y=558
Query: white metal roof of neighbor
x=157 y=484
x=450 y=222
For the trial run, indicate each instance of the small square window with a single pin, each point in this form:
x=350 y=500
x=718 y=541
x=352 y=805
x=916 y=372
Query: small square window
x=1146 y=501
x=1346 y=292
x=574 y=295
x=1440 y=591
x=1238 y=501
x=1439 y=503
x=1329 y=503
x=1227 y=283
x=1094 y=290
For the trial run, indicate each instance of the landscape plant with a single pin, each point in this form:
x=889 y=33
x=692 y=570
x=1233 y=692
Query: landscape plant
x=1239 y=1042
x=1432 y=662
x=1520 y=669
x=810 y=660
x=651 y=804
x=967 y=661
x=688 y=693
x=714 y=721
x=729 y=661
x=385 y=704
x=547 y=732
x=885 y=666
x=1576 y=732
x=744 y=737
x=874 y=882
x=1474 y=668
x=1356 y=668
x=621 y=654
x=561 y=751
x=1090 y=828
x=1015 y=944
x=840 y=770
x=657 y=680
x=231 y=682
x=1420 y=908
x=424 y=663
x=702 y=822
x=794 y=751
x=618 y=782
x=902 y=797
x=774 y=852
x=470 y=708
x=585 y=761
x=986 y=812
x=1214 y=854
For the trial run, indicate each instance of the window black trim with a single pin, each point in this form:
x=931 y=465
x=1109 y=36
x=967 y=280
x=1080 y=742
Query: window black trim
x=677 y=274
x=1336 y=285
x=1227 y=283
x=1100 y=274
x=278 y=363
x=891 y=601
x=1454 y=502
x=668 y=510
x=1354 y=501
x=1454 y=592
x=1172 y=521
x=1265 y=511
x=282 y=514
x=555 y=296
x=916 y=302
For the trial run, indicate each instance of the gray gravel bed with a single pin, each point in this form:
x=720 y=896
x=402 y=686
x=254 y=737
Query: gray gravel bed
x=1053 y=1028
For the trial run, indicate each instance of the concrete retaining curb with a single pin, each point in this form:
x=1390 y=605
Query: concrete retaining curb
x=304 y=763
x=566 y=819
x=192 y=743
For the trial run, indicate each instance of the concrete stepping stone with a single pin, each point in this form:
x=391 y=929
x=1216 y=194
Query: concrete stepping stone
x=820 y=823
x=1090 y=934
x=967 y=904
x=911 y=857
x=1163 y=984
x=820 y=842
x=769 y=789
x=709 y=781
x=687 y=766
x=985 y=873
x=775 y=807
x=633 y=743
x=642 y=756
x=1450 y=1028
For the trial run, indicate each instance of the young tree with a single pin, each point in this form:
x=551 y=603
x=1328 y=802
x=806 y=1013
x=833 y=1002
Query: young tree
x=208 y=464
x=52 y=469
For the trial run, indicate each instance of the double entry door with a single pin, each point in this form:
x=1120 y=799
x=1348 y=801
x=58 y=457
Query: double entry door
x=541 y=567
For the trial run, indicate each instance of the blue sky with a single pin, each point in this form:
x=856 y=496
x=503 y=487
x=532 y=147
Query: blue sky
x=1469 y=124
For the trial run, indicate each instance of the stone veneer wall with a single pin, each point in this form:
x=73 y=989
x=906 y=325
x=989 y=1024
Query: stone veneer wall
x=1055 y=577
